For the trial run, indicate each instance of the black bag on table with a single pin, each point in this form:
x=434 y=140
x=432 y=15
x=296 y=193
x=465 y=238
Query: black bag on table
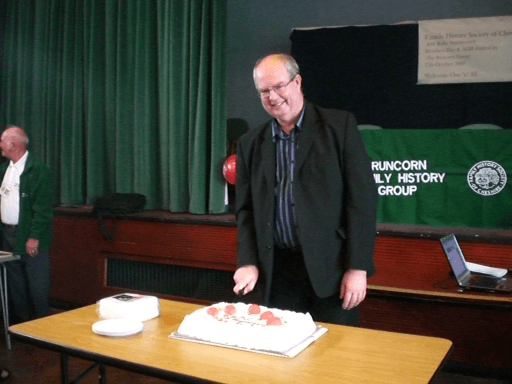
x=117 y=204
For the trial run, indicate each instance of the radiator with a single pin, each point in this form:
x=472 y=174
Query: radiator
x=197 y=283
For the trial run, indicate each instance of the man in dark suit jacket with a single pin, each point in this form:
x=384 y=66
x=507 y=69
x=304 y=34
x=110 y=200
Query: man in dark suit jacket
x=305 y=202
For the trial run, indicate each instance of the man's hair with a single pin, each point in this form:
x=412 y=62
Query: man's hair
x=18 y=133
x=289 y=62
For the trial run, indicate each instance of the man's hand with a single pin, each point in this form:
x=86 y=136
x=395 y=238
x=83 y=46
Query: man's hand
x=32 y=247
x=353 y=288
x=245 y=279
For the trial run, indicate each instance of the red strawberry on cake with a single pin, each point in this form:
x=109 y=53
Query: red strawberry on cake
x=230 y=310
x=266 y=315
x=254 y=309
x=274 y=321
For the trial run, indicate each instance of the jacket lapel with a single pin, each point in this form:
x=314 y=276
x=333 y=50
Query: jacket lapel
x=268 y=155
x=308 y=133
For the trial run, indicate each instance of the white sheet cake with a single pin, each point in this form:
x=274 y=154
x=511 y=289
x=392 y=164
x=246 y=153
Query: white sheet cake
x=248 y=326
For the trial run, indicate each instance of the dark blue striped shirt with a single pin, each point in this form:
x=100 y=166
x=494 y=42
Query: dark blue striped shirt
x=285 y=233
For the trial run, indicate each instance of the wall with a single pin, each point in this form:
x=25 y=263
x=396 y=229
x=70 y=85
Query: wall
x=256 y=28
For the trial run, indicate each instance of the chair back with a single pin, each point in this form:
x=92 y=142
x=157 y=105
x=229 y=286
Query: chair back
x=368 y=126
x=481 y=126
x=235 y=128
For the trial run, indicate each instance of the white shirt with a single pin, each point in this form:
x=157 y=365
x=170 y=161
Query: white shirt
x=10 y=191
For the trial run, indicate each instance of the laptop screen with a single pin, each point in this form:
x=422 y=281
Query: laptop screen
x=454 y=254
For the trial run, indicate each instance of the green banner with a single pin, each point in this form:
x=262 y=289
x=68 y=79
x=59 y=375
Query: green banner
x=445 y=177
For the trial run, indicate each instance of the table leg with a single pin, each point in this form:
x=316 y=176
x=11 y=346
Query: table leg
x=64 y=368
x=5 y=305
x=64 y=371
x=103 y=377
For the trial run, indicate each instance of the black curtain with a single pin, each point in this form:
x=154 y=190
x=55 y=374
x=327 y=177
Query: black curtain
x=372 y=72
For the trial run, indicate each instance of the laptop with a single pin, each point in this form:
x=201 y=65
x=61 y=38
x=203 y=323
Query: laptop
x=465 y=278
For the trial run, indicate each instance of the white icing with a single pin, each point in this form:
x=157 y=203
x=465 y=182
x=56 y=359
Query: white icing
x=129 y=306
x=246 y=330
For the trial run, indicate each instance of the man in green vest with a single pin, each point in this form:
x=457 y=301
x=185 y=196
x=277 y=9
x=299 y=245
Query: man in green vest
x=26 y=220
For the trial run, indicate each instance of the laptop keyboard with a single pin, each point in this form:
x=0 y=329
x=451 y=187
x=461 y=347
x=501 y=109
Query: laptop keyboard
x=483 y=281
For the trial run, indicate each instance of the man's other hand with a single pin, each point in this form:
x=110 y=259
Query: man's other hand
x=353 y=288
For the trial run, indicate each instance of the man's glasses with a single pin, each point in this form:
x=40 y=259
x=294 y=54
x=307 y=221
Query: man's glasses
x=264 y=93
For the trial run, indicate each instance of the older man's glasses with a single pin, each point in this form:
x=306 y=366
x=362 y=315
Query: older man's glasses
x=264 y=93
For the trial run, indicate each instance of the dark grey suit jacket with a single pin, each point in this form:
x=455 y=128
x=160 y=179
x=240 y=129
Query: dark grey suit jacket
x=335 y=199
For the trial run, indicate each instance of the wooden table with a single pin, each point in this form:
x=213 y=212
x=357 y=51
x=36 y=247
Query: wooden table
x=343 y=354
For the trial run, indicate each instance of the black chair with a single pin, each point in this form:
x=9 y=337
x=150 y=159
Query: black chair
x=235 y=128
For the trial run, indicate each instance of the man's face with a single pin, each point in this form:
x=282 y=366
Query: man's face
x=6 y=144
x=281 y=96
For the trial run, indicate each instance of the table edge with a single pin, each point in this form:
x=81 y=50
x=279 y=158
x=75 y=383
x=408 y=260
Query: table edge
x=108 y=360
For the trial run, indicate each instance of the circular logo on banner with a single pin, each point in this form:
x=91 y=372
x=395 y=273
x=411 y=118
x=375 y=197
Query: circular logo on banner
x=487 y=178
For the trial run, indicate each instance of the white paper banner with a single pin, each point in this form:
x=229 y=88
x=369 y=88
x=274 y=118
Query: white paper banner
x=465 y=50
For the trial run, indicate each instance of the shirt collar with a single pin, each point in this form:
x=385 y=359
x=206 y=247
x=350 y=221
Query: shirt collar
x=20 y=164
x=276 y=128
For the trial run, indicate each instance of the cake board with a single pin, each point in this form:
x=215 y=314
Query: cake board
x=291 y=353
